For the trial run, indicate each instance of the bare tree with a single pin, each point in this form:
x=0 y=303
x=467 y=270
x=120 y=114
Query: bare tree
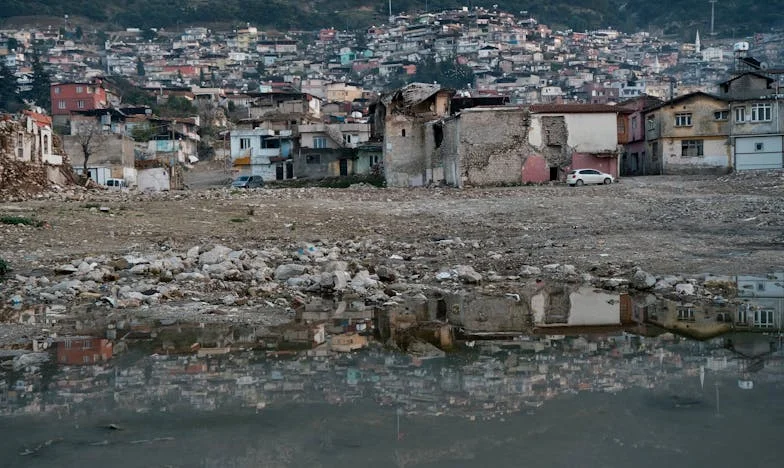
x=90 y=136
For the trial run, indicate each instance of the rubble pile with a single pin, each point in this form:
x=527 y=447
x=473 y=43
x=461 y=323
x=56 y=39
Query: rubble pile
x=21 y=180
x=266 y=284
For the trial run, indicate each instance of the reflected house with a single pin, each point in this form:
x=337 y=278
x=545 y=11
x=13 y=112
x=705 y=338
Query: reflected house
x=695 y=319
x=565 y=305
x=762 y=303
x=310 y=335
x=84 y=350
x=348 y=342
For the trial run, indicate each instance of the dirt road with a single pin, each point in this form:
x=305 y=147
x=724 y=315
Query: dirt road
x=666 y=225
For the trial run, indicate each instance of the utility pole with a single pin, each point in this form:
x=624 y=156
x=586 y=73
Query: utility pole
x=713 y=14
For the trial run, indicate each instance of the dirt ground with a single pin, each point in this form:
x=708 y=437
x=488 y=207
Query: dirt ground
x=664 y=224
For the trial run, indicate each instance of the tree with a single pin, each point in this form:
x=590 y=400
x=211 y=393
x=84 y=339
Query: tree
x=140 y=67
x=79 y=33
x=9 y=97
x=177 y=106
x=41 y=83
x=90 y=137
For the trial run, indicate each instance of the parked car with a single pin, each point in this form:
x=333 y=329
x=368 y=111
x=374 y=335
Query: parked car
x=248 y=182
x=115 y=184
x=588 y=176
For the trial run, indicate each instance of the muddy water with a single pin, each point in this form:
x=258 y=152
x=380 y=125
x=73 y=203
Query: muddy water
x=608 y=399
x=558 y=375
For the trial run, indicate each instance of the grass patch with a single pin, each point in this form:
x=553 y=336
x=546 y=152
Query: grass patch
x=238 y=220
x=20 y=220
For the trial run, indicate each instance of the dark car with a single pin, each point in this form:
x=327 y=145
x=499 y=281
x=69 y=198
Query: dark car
x=248 y=182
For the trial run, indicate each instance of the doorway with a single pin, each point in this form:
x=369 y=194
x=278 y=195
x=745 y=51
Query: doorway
x=343 y=167
x=553 y=173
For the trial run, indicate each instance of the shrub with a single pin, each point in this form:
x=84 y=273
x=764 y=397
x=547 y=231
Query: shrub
x=20 y=220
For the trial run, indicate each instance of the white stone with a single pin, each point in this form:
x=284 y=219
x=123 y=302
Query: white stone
x=284 y=272
x=216 y=255
x=687 y=289
x=467 y=274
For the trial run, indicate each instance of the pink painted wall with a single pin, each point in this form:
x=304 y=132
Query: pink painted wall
x=536 y=169
x=589 y=161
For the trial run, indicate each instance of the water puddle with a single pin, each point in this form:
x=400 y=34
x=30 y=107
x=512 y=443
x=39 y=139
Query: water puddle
x=433 y=353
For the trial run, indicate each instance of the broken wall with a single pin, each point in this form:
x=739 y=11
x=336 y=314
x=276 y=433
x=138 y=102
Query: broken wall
x=493 y=145
x=405 y=159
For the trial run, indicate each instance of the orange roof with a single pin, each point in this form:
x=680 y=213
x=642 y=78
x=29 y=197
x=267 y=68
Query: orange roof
x=40 y=119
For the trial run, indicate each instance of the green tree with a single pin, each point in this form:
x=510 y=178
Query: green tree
x=41 y=83
x=140 y=67
x=12 y=43
x=177 y=106
x=9 y=97
x=79 y=33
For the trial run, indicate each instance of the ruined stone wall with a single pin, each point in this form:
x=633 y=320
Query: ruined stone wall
x=449 y=152
x=23 y=179
x=405 y=161
x=493 y=145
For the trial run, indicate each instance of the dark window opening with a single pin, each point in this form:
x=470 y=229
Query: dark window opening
x=313 y=159
x=438 y=134
x=403 y=132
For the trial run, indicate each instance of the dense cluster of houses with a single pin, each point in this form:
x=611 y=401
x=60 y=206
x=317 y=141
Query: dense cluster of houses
x=499 y=377
x=626 y=104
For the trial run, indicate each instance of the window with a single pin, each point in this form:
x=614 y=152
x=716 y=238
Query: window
x=760 y=112
x=763 y=318
x=686 y=314
x=721 y=115
x=313 y=159
x=634 y=123
x=61 y=104
x=80 y=104
x=651 y=123
x=79 y=90
x=740 y=114
x=86 y=359
x=244 y=143
x=621 y=126
x=319 y=142
x=403 y=132
x=87 y=344
x=683 y=119
x=347 y=139
x=57 y=90
x=90 y=90
x=691 y=148
x=67 y=344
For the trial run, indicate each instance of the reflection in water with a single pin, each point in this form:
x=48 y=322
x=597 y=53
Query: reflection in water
x=345 y=374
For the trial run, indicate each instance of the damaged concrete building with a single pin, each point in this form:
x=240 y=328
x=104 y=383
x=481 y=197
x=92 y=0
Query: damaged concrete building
x=493 y=145
x=409 y=117
x=31 y=157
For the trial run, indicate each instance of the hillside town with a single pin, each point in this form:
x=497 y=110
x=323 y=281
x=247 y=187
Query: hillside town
x=310 y=105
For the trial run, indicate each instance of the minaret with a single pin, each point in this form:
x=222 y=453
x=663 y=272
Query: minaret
x=697 y=43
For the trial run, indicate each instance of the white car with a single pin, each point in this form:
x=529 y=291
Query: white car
x=588 y=176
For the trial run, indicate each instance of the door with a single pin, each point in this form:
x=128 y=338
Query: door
x=344 y=167
x=279 y=172
x=289 y=170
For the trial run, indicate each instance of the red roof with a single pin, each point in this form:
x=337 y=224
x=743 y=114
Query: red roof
x=40 y=119
x=576 y=109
